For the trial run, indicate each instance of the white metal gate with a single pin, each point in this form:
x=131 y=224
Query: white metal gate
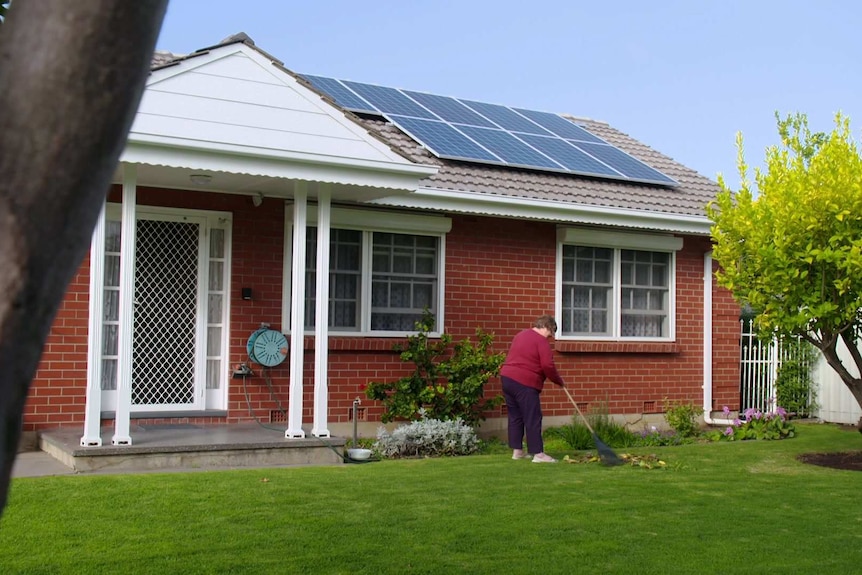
x=760 y=361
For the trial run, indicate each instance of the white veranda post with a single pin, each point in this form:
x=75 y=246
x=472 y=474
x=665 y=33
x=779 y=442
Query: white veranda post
x=321 y=333
x=297 y=315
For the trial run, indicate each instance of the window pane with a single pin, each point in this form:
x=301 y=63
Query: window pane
x=112 y=271
x=345 y=264
x=643 y=326
x=214 y=341
x=602 y=271
x=112 y=236
x=581 y=322
x=216 y=243
x=112 y=305
x=568 y=268
x=213 y=374
x=582 y=297
x=406 y=284
x=423 y=296
x=216 y=282
x=584 y=271
x=109 y=374
x=214 y=308
x=110 y=340
x=586 y=289
x=642 y=274
x=599 y=322
x=402 y=263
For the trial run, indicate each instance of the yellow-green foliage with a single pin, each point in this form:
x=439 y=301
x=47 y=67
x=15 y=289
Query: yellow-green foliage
x=793 y=250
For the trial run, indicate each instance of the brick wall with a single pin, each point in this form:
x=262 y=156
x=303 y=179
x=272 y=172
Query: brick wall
x=499 y=277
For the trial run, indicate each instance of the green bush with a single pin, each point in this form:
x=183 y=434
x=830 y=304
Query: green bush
x=793 y=385
x=682 y=417
x=447 y=382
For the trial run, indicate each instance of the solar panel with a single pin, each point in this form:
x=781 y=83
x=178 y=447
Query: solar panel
x=630 y=167
x=491 y=133
x=559 y=125
x=340 y=93
x=506 y=118
x=390 y=100
x=509 y=148
x=444 y=140
x=572 y=158
x=450 y=109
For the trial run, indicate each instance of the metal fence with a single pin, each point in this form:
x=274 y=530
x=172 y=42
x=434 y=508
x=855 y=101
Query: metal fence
x=760 y=363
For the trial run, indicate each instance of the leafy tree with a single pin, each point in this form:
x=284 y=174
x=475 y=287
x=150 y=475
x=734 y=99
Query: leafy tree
x=793 y=251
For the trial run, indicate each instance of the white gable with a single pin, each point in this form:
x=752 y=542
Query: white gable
x=233 y=100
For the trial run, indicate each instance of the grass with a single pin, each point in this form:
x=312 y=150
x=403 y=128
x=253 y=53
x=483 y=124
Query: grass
x=738 y=507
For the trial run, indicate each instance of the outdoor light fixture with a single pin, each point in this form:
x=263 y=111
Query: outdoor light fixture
x=200 y=179
x=257 y=199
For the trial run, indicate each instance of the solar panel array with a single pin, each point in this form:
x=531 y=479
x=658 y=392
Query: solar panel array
x=472 y=131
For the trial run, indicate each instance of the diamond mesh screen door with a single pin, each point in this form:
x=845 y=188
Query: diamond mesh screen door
x=166 y=313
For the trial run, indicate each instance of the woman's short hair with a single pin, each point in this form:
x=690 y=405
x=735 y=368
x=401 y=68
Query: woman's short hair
x=546 y=321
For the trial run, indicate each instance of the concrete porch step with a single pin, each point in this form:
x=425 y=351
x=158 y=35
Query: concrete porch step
x=187 y=447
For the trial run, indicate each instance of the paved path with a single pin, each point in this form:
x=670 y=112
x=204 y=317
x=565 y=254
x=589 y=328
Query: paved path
x=38 y=464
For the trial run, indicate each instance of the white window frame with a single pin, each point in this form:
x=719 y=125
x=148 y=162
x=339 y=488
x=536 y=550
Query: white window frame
x=617 y=241
x=368 y=222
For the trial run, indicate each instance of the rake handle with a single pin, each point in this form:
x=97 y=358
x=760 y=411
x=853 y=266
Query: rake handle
x=578 y=409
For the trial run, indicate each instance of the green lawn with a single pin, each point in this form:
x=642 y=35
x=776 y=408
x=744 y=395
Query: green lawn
x=744 y=507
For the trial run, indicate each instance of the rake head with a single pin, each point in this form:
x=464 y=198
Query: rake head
x=606 y=454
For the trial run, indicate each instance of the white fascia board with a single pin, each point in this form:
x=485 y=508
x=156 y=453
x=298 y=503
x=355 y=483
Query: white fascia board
x=512 y=207
x=292 y=166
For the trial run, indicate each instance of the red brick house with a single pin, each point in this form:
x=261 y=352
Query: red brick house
x=235 y=164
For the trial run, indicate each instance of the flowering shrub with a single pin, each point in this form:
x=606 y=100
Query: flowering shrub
x=427 y=437
x=448 y=380
x=757 y=425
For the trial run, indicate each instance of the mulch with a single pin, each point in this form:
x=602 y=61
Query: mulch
x=848 y=460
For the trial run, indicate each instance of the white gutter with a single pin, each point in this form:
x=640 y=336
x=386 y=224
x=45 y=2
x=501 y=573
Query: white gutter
x=707 y=344
x=518 y=207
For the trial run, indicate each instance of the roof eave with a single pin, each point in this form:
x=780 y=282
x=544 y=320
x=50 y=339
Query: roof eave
x=510 y=207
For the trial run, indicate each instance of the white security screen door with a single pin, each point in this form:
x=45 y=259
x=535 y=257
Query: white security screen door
x=166 y=331
x=180 y=287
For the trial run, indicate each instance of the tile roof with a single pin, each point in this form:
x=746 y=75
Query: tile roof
x=688 y=199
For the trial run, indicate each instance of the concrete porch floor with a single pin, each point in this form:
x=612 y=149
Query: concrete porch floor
x=183 y=447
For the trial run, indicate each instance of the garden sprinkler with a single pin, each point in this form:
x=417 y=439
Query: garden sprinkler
x=606 y=454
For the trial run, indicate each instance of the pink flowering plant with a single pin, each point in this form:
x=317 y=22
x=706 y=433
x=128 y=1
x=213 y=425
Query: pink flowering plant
x=756 y=424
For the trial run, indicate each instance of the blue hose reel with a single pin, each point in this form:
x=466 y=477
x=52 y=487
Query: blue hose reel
x=267 y=347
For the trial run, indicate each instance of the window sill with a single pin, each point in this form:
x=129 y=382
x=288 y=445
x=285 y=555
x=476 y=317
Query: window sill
x=616 y=346
x=358 y=343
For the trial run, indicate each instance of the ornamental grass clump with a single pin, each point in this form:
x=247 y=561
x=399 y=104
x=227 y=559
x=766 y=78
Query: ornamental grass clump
x=427 y=438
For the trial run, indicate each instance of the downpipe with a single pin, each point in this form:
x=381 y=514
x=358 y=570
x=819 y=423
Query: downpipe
x=707 y=344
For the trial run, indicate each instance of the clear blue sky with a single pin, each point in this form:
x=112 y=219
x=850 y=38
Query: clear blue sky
x=683 y=76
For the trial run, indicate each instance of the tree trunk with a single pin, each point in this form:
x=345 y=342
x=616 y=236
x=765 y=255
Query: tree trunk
x=854 y=384
x=71 y=78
